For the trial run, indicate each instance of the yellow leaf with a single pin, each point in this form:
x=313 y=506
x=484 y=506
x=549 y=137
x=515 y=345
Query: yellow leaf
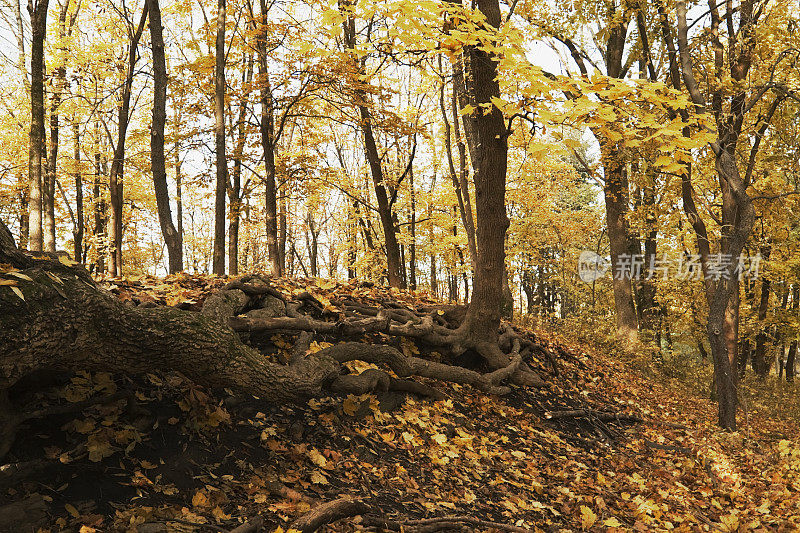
x=98 y=448
x=318 y=479
x=612 y=522
x=349 y=406
x=71 y=510
x=730 y=523
x=20 y=275
x=200 y=499
x=439 y=439
x=219 y=514
x=663 y=160
x=317 y=458
x=18 y=292
x=588 y=518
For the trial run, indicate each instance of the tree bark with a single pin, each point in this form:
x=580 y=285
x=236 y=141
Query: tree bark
x=235 y=190
x=269 y=143
x=38 y=13
x=761 y=363
x=77 y=232
x=116 y=182
x=792 y=354
x=158 y=164
x=393 y=264
x=483 y=317
x=218 y=255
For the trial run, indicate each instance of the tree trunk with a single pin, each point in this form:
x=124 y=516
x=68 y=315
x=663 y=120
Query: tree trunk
x=483 y=317
x=158 y=165
x=412 y=246
x=649 y=311
x=77 y=233
x=761 y=363
x=38 y=14
x=235 y=191
x=616 y=200
x=268 y=141
x=116 y=183
x=283 y=199
x=218 y=261
x=178 y=190
x=792 y=354
x=393 y=263
x=99 y=211
x=49 y=185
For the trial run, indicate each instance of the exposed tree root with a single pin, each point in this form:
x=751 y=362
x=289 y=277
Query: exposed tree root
x=329 y=512
x=65 y=321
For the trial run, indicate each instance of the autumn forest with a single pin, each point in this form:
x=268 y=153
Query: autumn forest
x=300 y=265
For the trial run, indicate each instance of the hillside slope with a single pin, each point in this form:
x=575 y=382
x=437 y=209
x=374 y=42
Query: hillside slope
x=602 y=447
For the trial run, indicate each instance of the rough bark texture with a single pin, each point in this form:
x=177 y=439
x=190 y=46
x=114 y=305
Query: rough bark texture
x=483 y=318
x=77 y=232
x=269 y=143
x=171 y=236
x=218 y=256
x=38 y=14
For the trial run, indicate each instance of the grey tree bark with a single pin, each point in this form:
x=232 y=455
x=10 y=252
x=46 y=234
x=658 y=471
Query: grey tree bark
x=172 y=238
x=38 y=13
x=218 y=255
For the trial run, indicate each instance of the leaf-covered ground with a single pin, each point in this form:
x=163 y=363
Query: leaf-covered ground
x=179 y=454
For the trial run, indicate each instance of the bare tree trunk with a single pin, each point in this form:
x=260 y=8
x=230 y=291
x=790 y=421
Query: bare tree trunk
x=99 y=208
x=459 y=179
x=616 y=200
x=649 y=311
x=38 y=14
x=282 y=230
x=218 y=261
x=116 y=182
x=77 y=232
x=792 y=354
x=269 y=143
x=171 y=236
x=49 y=183
x=352 y=241
x=178 y=190
x=761 y=363
x=412 y=246
x=235 y=191
x=393 y=263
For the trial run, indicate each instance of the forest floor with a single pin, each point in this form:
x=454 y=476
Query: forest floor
x=181 y=454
